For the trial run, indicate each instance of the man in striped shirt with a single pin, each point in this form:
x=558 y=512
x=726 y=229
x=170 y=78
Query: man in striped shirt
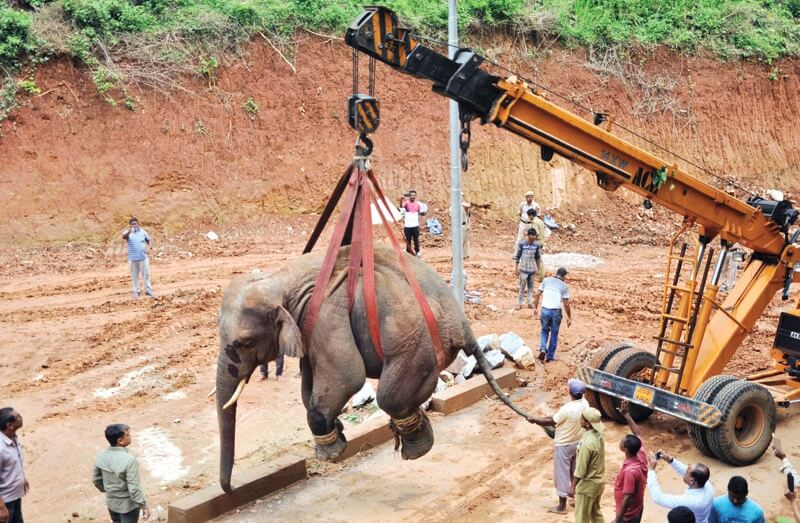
x=528 y=257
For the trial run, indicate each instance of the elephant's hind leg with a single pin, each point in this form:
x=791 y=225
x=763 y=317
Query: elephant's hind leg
x=416 y=434
x=408 y=381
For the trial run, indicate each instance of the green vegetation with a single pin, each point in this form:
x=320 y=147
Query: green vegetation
x=15 y=36
x=750 y=29
x=251 y=108
x=154 y=42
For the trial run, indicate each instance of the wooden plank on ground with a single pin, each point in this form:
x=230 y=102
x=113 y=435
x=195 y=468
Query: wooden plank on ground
x=471 y=391
x=376 y=431
x=366 y=435
x=252 y=484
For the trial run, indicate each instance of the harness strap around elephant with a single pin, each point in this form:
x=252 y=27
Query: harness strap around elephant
x=355 y=222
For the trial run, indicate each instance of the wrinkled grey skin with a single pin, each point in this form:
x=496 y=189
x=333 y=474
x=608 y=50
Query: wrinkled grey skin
x=261 y=316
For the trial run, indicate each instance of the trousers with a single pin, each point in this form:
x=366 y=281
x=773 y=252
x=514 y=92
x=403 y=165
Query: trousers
x=127 y=517
x=141 y=267
x=14 y=511
x=551 y=322
x=278 y=367
x=412 y=233
x=526 y=281
x=587 y=509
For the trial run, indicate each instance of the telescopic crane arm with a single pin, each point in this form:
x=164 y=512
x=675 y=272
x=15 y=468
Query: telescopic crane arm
x=759 y=224
x=512 y=104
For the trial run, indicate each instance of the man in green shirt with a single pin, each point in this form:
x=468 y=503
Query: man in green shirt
x=588 y=478
x=117 y=474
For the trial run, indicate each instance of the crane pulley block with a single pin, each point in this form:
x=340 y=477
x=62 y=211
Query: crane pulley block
x=363 y=113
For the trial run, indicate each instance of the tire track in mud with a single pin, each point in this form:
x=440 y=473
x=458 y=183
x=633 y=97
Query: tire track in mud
x=192 y=313
x=482 y=488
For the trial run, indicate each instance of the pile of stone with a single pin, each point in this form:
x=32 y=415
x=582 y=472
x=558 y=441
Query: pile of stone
x=496 y=349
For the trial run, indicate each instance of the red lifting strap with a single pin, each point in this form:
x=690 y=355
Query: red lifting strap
x=362 y=257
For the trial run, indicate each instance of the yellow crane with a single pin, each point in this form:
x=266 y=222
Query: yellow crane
x=699 y=331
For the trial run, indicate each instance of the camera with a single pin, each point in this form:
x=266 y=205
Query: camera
x=658 y=454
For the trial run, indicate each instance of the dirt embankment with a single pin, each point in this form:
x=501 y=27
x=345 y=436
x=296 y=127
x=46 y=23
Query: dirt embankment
x=74 y=167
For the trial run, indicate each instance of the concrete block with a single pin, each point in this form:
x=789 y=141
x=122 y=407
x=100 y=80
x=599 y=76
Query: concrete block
x=465 y=394
x=248 y=486
x=366 y=435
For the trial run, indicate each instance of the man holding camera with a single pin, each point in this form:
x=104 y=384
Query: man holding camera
x=699 y=494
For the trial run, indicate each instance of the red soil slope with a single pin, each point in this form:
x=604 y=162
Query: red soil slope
x=74 y=167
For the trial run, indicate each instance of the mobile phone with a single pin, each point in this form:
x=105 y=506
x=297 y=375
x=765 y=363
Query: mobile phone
x=790 y=481
x=658 y=454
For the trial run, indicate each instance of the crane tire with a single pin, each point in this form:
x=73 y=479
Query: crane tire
x=627 y=364
x=599 y=361
x=706 y=393
x=748 y=421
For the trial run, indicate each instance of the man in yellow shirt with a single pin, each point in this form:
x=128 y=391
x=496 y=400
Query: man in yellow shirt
x=588 y=478
x=567 y=421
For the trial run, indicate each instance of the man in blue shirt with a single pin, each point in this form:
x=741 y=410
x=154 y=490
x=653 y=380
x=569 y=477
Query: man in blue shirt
x=138 y=242
x=735 y=507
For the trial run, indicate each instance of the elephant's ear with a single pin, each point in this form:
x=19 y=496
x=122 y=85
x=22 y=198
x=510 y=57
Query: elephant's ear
x=289 y=338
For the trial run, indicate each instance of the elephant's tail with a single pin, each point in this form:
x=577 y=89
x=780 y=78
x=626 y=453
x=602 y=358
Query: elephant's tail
x=486 y=369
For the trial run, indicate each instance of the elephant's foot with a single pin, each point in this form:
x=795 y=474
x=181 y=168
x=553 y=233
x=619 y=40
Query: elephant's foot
x=331 y=445
x=416 y=435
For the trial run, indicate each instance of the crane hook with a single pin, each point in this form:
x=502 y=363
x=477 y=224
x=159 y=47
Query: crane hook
x=363 y=151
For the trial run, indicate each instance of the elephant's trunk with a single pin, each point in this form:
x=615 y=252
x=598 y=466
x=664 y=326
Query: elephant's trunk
x=226 y=386
x=486 y=369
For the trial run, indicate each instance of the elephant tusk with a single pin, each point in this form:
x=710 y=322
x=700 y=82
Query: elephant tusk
x=213 y=391
x=236 y=394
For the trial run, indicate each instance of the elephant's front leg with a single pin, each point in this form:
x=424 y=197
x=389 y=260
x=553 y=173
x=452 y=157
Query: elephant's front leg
x=335 y=371
x=407 y=382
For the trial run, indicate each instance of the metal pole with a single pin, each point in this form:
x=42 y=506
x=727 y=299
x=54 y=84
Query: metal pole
x=457 y=278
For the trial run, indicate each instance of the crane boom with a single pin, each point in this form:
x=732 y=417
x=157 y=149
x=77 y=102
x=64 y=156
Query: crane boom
x=731 y=419
x=510 y=103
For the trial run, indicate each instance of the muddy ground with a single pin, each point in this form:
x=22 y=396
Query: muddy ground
x=80 y=352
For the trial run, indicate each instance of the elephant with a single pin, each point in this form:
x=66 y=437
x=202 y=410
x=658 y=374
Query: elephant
x=261 y=316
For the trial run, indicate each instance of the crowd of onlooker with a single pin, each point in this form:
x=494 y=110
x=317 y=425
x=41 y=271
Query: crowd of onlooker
x=579 y=472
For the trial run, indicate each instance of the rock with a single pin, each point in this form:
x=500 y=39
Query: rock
x=212 y=236
x=510 y=342
x=447 y=378
x=495 y=359
x=523 y=358
x=458 y=363
x=460 y=379
x=469 y=366
x=489 y=342
x=363 y=396
x=463 y=364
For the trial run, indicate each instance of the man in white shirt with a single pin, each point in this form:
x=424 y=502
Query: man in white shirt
x=699 y=494
x=523 y=218
x=567 y=421
x=554 y=294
